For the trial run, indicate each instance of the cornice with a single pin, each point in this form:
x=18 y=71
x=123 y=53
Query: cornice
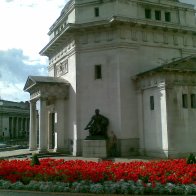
x=167 y=4
x=114 y=21
x=65 y=11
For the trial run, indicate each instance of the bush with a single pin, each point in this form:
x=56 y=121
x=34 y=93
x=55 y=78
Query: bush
x=191 y=159
x=34 y=160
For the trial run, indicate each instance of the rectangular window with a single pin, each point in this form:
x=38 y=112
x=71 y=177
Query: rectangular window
x=148 y=13
x=98 y=74
x=167 y=16
x=152 y=102
x=157 y=15
x=193 y=100
x=96 y=11
x=184 y=100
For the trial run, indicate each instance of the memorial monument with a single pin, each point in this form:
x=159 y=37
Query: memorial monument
x=132 y=59
x=97 y=126
x=95 y=145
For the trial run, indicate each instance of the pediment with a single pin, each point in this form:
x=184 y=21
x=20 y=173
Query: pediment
x=29 y=83
x=182 y=65
x=46 y=86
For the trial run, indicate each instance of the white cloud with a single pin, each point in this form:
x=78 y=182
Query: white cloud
x=24 y=27
x=15 y=67
x=25 y=23
x=10 y=91
x=193 y=2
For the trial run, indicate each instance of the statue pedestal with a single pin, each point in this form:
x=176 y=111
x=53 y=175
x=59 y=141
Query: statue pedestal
x=94 y=148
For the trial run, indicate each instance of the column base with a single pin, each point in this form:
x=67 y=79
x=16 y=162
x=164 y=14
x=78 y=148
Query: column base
x=32 y=149
x=43 y=151
x=60 y=150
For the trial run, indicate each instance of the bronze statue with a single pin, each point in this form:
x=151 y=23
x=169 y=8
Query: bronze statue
x=98 y=125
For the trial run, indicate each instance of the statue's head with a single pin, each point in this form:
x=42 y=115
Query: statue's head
x=97 y=111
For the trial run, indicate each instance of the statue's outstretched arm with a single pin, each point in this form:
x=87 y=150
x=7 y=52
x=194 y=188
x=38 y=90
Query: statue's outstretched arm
x=88 y=125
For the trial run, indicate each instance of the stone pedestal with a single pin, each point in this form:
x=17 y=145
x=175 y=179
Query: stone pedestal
x=94 y=148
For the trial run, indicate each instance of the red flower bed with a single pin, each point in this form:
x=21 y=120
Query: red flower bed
x=174 y=171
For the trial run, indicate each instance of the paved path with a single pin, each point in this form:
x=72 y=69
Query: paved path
x=25 y=153
x=15 y=153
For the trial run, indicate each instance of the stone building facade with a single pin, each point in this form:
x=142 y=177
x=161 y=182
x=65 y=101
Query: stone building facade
x=133 y=60
x=14 y=119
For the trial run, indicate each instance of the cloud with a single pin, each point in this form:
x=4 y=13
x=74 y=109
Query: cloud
x=15 y=67
x=30 y=20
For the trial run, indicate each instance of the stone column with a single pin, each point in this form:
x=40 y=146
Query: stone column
x=60 y=144
x=19 y=127
x=25 y=126
x=17 y=119
x=32 y=128
x=141 y=122
x=43 y=132
x=50 y=130
x=13 y=129
x=164 y=128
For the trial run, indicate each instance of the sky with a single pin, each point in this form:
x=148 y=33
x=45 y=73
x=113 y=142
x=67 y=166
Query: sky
x=23 y=33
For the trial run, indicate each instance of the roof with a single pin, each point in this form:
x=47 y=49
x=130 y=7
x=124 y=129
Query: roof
x=33 y=80
x=186 y=64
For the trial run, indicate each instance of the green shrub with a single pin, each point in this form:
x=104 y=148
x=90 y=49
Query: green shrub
x=191 y=159
x=35 y=160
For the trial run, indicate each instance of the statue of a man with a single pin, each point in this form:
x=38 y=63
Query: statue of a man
x=98 y=125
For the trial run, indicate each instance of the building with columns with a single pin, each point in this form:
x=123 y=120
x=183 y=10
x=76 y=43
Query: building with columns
x=14 y=119
x=132 y=59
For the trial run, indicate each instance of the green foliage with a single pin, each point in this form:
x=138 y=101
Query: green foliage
x=34 y=160
x=191 y=159
x=107 y=187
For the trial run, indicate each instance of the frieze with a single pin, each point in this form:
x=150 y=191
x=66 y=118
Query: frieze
x=109 y=35
x=134 y=35
x=63 y=52
x=144 y=36
x=165 y=38
x=194 y=41
x=97 y=37
x=35 y=95
x=185 y=40
x=61 y=68
x=175 y=40
x=155 y=37
x=168 y=80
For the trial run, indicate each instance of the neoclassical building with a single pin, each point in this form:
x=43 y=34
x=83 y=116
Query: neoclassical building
x=14 y=119
x=132 y=59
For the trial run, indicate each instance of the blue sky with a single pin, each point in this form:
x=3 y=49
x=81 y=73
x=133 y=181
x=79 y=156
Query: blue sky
x=24 y=27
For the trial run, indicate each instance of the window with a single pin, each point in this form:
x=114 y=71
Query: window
x=167 y=16
x=96 y=11
x=157 y=15
x=98 y=74
x=184 y=101
x=148 y=13
x=193 y=100
x=152 y=102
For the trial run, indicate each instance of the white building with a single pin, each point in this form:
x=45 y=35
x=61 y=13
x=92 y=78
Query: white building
x=14 y=120
x=132 y=59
